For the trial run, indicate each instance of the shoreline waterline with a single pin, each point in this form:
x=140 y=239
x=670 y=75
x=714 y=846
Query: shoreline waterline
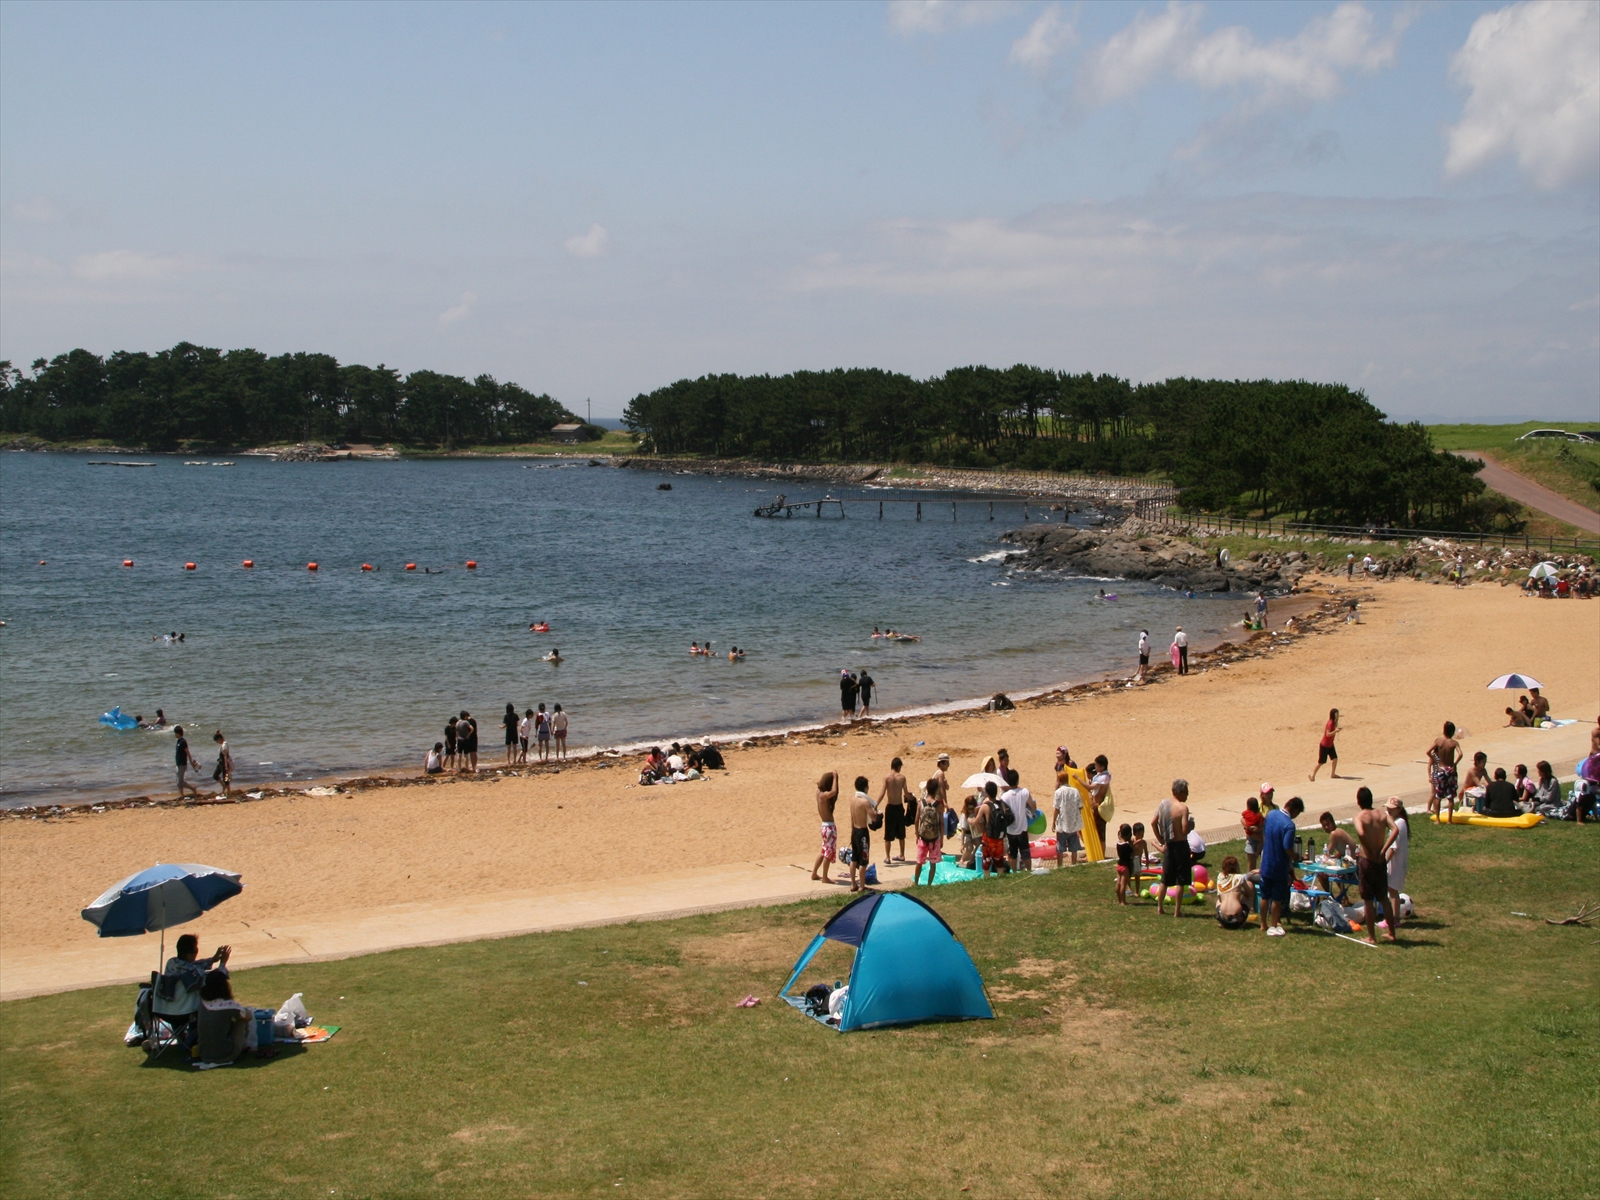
x=1203 y=654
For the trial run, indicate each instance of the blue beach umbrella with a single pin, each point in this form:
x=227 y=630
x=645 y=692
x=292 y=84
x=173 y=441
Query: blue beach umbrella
x=1516 y=682
x=164 y=895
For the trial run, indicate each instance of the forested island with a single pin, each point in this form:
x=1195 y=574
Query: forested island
x=196 y=396
x=1319 y=451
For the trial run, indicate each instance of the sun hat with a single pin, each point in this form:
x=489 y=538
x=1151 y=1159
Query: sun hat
x=1267 y=787
x=1393 y=804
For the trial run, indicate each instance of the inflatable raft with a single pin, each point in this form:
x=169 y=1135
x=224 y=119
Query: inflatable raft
x=1523 y=821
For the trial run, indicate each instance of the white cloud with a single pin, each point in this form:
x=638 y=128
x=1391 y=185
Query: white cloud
x=1534 y=74
x=136 y=266
x=1309 y=66
x=909 y=17
x=454 y=316
x=1047 y=37
x=39 y=209
x=588 y=245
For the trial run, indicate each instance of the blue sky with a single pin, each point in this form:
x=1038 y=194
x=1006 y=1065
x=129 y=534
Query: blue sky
x=595 y=200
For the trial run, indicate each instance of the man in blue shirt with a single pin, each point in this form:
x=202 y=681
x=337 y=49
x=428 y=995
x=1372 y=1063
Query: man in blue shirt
x=1277 y=865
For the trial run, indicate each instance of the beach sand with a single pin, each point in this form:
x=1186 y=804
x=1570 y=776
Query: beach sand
x=328 y=876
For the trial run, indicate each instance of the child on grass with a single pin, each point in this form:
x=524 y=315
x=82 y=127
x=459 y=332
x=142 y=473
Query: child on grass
x=1253 y=823
x=1141 y=856
x=1125 y=867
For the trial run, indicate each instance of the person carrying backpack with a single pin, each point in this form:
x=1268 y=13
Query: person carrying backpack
x=930 y=833
x=994 y=818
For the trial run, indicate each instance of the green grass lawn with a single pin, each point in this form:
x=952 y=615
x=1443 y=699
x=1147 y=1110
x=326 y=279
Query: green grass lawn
x=1131 y=1057
x=1569 y=468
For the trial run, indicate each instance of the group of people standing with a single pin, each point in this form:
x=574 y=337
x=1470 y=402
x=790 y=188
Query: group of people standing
x=538 y=732
x=992 y=822
x=856 y=689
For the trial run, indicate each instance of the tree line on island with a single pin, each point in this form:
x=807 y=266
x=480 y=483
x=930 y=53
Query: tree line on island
x=1316 y=451
x=196 y=396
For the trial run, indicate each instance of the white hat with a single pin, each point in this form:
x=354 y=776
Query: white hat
x=1266 y=788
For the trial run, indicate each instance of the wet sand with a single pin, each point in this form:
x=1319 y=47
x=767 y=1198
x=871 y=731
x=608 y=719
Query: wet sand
x=334 y=875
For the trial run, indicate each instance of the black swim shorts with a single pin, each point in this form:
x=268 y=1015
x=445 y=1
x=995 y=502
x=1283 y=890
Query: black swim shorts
x=1175 y=864
x=1017 y=843
x=1324 y=753
x=1373 y=878
x=860 y=846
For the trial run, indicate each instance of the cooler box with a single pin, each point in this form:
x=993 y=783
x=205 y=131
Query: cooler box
x=263 y=1027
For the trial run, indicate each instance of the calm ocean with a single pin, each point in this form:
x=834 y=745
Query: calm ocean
x=344 y=669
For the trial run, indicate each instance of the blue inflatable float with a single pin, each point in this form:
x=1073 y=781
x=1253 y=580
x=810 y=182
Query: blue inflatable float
x=118 y=719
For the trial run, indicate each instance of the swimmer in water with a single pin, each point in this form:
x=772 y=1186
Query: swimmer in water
x=553 y=657
x=694 y=649
x=875 y=632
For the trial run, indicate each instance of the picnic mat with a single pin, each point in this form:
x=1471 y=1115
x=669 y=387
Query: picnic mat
x=949 y=872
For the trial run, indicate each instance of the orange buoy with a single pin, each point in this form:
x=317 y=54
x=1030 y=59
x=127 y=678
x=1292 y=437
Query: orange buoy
x=188 y=566
x=472 y=564
x=249 y=562
x=127 y=562
x=411 y=566
x=41 y=562
x=311 y=566
x=366 y=566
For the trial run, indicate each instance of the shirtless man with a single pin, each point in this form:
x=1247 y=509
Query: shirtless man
x=861 y=812
x=1375 y=831
x=1443 y=758
x=1338 y=842
x=827 y=797
x=1170 y=826
x=1541 y=706
x=1477 y=776
x=892 y=796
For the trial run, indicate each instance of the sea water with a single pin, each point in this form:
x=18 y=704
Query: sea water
x=310 y=673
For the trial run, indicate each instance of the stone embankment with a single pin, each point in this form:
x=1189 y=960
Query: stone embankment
x=1137 y=549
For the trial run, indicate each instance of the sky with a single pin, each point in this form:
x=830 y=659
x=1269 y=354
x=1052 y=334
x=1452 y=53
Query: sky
x=595 y=200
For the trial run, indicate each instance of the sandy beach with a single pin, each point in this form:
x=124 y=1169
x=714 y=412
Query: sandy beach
x=343 y=874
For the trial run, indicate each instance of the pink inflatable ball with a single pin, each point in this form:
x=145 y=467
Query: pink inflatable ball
x=1201 y=875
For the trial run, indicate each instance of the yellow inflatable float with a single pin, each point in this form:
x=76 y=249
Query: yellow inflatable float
x=1467 y=817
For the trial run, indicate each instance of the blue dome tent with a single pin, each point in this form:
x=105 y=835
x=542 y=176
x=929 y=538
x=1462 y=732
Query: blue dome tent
x=909 y=967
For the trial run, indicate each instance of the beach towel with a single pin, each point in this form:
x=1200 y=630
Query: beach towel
x=312 y=1034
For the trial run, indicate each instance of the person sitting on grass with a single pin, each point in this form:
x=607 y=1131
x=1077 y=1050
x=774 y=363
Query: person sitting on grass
x=227 y=1028
x=177 y=996
x=1499 y=797
x=1547 y=791
x=1236 y=895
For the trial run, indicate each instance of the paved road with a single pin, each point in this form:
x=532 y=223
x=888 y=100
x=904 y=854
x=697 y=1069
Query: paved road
x=1520 y=488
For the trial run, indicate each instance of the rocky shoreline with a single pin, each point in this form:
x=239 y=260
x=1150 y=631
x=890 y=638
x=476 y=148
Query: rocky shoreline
x=1137 y=549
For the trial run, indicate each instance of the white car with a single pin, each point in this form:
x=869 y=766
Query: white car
x=1554 y=433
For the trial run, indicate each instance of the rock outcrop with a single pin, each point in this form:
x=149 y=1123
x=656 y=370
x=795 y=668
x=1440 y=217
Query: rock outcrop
x=1136 y=549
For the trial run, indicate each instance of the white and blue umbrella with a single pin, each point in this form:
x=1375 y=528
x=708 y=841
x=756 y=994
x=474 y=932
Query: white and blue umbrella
x=162 y=896
x=1545 y=570
x=1516 y=682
